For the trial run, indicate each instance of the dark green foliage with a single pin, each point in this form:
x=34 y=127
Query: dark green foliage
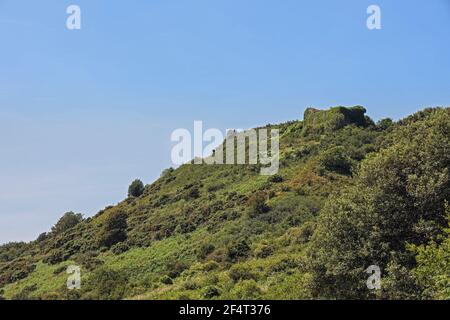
x=114 y=229
x=433 y=264
x=67 y=221
x=276 y=178
x=205 y=250
x=106 y=284
x=372 y=222
x=15 y=270
x=120 y=248
x=42 y=237
x=136 y=188
x=211 y=292
x=238 y=250
x=166 y=280
x=88 y=260
x=264 y=250
x=175 y=268
x=384 y=124
x=239 y=272
x=167 y=172
x=55 y=256
x=257 y=204
x=12 y=250
x=192 y=193
x=336 y=159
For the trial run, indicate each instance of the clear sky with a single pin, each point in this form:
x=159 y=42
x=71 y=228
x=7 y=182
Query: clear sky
x=84 y=112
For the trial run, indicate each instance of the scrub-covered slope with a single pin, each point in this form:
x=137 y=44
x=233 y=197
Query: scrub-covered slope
x=349 y=194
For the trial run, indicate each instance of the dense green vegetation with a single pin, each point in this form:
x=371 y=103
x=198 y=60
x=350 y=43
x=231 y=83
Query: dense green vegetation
x=349 y=194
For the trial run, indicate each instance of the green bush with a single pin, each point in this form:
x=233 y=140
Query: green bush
x=263 y=251
x=205 y=250
x=136 y=189
x=120 y=248
x=337 y=160
x=238 y=250
x=211 y=292
x=67 y=221
x=246 y=290
x=106 y=284
x=276 y=178
x=381 y=213
x=114 y=229
x=166 y=280
x=241 y=272
x=257 y=204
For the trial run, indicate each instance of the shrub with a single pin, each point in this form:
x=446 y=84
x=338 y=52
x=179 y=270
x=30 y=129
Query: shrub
x=238 y=250
x=175 y=268
x=106 y=284
x=384 y=124
x=337 y=160
x=210 y=265
x=42 y=237
x=257 y=204
x=120 y=248
x=263 y=251
x=215 y=187
x=190 y=285
x=166 y=280
x=240 y=272
x=276 y=178
x=211 y=292
x=114 y=229
x=55 y=257
x=305 y=232
x=167 y=171
x=205 y=250
x=136 y=188
x=88 y=260
x=246 y=290
x=192 y=193
x=66 y=222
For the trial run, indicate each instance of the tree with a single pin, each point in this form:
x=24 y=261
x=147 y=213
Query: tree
x=114 y=229
x=384 y=124
x=136 y=188
x=397 y=191
x=433 y=267
x=42 y=237
x=67 y=221
x=336 y=159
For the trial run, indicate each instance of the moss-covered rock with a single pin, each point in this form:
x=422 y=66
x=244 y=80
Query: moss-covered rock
x=320 y=121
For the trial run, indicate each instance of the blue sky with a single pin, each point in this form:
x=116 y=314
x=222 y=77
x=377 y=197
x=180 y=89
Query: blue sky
x=82 y=113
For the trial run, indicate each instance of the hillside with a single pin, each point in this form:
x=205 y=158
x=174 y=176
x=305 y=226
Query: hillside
x=349 y=194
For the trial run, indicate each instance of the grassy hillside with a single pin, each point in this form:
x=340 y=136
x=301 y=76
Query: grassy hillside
x=349 y=194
